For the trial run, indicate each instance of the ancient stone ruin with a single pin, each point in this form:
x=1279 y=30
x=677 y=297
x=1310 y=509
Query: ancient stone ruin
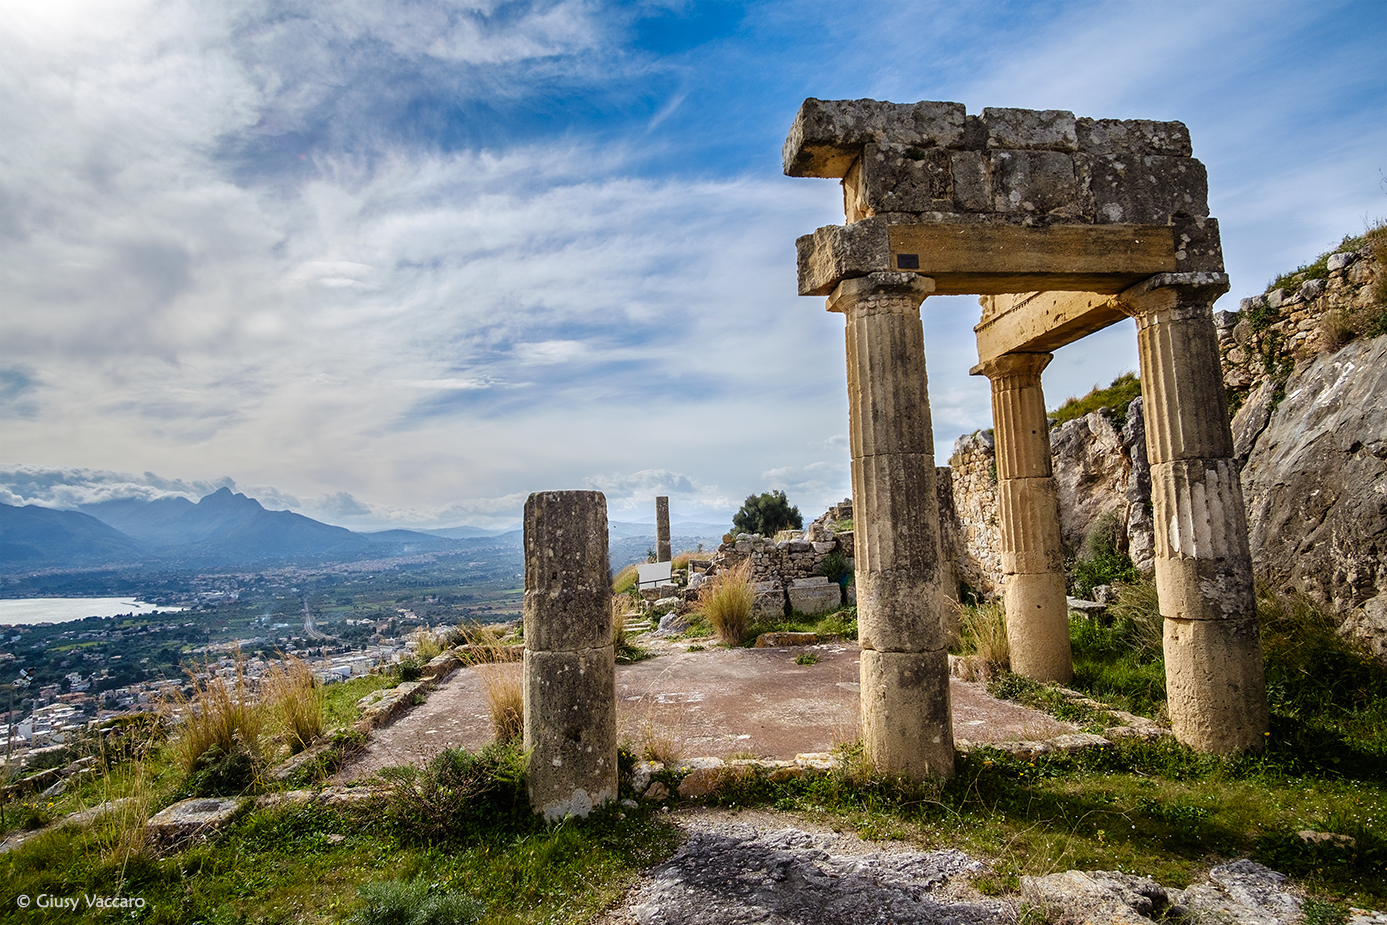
x=570 y=661
x=1063 y=226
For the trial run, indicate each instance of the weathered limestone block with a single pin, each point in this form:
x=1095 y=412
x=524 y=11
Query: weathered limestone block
x=1135 y=136
x=1030 y=129
x=1214 y=684
x=1092 y=474
x=813 y=596
x=901 y=178
x=906 y=725
x=1143 y=190
x=828 y=135
x=838 y=252
x=570 y=730
x=566 y=570
x=1035 y=183
x=198 y=816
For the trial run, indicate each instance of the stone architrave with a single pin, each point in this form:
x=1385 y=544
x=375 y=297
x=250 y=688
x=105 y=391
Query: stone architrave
x=1032 y=550
x=1213 y=649
x=906 y=721
x=569 y=660
x=662 y=548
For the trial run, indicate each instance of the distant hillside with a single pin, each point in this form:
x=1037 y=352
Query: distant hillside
x=40 y=537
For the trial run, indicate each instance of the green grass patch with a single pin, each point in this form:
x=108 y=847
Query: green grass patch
x=1116 y=397
x=840 y=624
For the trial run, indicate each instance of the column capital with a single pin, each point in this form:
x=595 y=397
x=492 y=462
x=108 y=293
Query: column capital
x=1168 y=290
x=1014 y=370
x=901 y=286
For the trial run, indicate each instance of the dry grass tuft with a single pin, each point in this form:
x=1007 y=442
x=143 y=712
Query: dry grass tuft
x=296 y=700
x=222 y=712
x=625 y=579
x=505 y=698
x=728 y=601
x=983 y=637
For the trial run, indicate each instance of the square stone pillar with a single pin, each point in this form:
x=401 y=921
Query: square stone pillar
x=906 y=721
x=570 y=662
x=1032 y=551
x=1213 y=649
x=662 y=550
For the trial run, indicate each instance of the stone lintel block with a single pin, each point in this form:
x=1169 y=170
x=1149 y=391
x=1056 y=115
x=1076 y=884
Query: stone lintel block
x=905 y=178
x=1029 y=515
x=1214 y=683
x=570 y=730
x=897 y=526
x=1036 y=184
x=900 y=612
x=1031 y=129
x=1038 y=626
x=1133 y=136
x=907 y=727
x=1143 y=189
x=828 y=135
x=836 y=253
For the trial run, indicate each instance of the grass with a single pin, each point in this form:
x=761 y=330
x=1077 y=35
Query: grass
x=625 y=580
x=983 y=637
x=296 y=701
x=218 y=740
x=840 y=624
x=727 y=602
x=1116 y=397
x=501 y=676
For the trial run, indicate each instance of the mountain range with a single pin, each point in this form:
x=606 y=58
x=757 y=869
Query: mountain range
x=229 y=529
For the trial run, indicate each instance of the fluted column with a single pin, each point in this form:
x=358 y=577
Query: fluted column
x=906 y=722
x=1213 y=649
x=1032 y=554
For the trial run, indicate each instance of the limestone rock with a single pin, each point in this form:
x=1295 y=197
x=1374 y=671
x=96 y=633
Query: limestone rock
x=186 y=819
x=813 y=596
x=780 y=640
x=733 y=874
x=1315 y=481
x=1099 y=896
x=1091 y=471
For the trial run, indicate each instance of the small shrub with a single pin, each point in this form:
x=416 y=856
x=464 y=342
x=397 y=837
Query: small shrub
x=414 y=902
x=806 y=658
x=834 y=566
x=1136 y=619
x=1102 y=561
x=409 y=668
x=461 y=796
x=728 y=601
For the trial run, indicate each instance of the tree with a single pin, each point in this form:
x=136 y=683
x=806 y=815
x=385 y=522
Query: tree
x=766 y=514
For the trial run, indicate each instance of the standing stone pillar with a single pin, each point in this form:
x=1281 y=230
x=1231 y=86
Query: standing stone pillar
x=570 y=662
x=662 y=553
x=1032 y=550
x=906 y=723
x=1213 y=649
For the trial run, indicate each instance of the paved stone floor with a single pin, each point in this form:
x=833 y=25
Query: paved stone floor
x=714 y=703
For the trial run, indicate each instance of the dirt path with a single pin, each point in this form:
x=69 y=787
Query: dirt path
x=715 y=703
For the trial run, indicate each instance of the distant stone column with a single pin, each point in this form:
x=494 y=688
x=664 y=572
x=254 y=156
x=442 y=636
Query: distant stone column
x=906 y=723
x=1213 y=649
x=1032 y=551
x=662 y=553
x=570 y=663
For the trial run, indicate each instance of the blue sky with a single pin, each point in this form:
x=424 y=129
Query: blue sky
x=402 y=264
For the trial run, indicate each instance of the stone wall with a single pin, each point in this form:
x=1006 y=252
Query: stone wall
x=1324 y=307
x=977 y=555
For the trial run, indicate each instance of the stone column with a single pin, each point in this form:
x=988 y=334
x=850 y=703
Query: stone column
x=1032 y=551
x=906 y=723
x=662 y=553
x=570 y=663
x=1213 y=649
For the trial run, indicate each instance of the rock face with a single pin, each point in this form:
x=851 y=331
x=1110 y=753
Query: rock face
x=731 y=874
x=1315 y=479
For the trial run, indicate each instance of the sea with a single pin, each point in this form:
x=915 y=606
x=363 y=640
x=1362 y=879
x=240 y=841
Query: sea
x=67 y=609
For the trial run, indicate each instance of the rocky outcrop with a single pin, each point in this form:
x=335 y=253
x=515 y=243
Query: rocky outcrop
x=1315 y=476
